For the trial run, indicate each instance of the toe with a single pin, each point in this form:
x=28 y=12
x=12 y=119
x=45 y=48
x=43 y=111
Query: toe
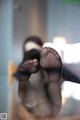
x=44 y=52
x=35 y=62
x=50 y=58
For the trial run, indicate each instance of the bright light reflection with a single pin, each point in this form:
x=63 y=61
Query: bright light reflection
x=71 y=90
x=76 y=89
x=48 y=44
x=67 y=89
x=71 y=53
x=59 y=41
x=68 y=52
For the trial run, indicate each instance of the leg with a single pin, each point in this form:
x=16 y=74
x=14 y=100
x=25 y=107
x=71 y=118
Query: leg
x=51 y=62
x=25 y=70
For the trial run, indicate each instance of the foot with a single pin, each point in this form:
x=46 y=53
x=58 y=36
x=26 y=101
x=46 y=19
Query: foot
x=30 y=66
x=51 y=62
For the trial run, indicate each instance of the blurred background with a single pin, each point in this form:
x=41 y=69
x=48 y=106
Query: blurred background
x=55 y=21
